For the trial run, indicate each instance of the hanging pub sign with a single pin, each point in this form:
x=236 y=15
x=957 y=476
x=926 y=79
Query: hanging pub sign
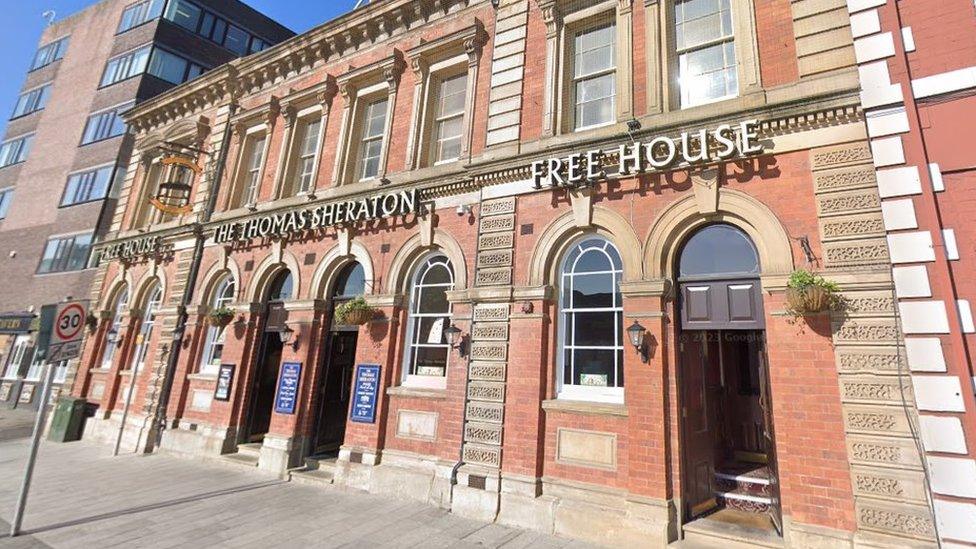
x=173 y=196
x=659 y=154
x=325 y=215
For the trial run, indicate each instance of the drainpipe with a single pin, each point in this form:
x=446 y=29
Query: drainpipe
x=464 y=413
x=159 y=421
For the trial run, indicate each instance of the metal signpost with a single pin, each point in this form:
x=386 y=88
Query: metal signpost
x=66 y=333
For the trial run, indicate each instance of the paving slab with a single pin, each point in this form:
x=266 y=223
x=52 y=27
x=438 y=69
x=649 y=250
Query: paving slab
x=83 y=497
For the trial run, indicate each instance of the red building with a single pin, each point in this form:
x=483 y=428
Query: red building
x=588 y=237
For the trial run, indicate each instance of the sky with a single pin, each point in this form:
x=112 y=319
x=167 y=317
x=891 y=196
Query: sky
x=22 y=23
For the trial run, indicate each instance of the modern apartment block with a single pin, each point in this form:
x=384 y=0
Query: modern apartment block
x=67 y=147
x=917 y=62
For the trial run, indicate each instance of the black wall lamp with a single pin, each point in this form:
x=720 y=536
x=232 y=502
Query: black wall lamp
x=456 y=340
x=287 y=336
x=636 y=333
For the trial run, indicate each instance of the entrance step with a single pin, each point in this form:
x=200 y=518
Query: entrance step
x=744 y=486
x=317 y=471
x=246 y=457
x=250 y=449
x=731 y=528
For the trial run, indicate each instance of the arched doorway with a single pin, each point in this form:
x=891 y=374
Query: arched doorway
x=338 y=360
x=265 y=380
x=729 y=458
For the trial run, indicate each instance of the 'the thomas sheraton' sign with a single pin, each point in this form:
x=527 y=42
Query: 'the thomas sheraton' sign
x=325 y=215
x=660 y=153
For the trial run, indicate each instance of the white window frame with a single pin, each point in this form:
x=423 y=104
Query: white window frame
x=154 y=299
x=217 y=335
x=24 y=144
x=247 y=139
x=92 y=173
x=568 y=391
x=433 y=62
x=6 y=197
x=74 y=239
x=36 y=100
x=21 y=346
x=574 y=79
x=717 y=41
x=114 y=115
x=414 y=319
x=118 y=311
x=304 y=182
x=365 y=140
x=360 y=88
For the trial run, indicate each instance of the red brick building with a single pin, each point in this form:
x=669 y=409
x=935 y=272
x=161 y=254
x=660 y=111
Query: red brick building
x=574 y=223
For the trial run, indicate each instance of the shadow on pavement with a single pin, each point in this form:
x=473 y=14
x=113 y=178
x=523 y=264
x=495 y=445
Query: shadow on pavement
x=143 y=508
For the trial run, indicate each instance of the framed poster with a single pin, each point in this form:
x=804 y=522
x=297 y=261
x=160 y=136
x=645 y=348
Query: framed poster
x=364 y=396
x=287 y=394
x=224 y=380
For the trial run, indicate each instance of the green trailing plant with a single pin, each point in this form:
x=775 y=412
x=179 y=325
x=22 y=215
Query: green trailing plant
x=809 y=293
x=354 y=312
x=221 y=316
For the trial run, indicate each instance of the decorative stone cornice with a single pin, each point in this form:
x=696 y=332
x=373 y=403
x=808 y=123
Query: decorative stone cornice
x=469 y=40
x=388 y=69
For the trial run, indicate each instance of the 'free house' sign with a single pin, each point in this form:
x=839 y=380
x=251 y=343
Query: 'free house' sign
x=725 y=142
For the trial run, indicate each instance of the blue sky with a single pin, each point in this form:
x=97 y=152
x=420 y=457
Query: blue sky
x=21 y=26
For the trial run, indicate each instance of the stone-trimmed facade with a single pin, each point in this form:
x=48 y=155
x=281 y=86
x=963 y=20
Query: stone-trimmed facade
x=494 y=441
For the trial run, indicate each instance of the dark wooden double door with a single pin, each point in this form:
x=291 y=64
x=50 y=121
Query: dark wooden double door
x=725 y=398
x=334 y=389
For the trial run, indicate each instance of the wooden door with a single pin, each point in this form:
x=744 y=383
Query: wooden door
x=334 y=391
x=769 y=440
x=265 y=386
x=699 y=364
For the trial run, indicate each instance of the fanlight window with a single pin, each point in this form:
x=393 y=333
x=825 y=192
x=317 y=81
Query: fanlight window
x=430 y=313
x=213 y=350
x=282 y=287
x=719 y=250
x=591 y=322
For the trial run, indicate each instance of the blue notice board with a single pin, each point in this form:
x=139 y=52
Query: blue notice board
x=287 y=395
x=365 y=393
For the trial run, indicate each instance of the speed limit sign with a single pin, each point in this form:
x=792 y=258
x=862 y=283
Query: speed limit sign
x=67 y=332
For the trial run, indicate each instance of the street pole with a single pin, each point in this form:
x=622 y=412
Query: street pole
x=133 y=371
x=35 y=443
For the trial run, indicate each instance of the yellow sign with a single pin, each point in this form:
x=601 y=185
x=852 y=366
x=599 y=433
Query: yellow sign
x=185 y=161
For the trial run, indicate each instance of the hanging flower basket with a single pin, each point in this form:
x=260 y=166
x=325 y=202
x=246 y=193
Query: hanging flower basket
x=221 y=317
x=807 y=293
x=354 y=312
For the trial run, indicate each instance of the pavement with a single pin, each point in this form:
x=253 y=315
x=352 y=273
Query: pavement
x=84 y=497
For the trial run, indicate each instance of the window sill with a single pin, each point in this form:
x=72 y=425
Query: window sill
x=417 y=392
x=585 y=407
x=202 y=377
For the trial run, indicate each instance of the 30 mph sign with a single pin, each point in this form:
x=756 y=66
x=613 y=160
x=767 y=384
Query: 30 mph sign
x=67 y=332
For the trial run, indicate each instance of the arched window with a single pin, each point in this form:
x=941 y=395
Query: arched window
x=149 y=310
x=719 y=250
x=430 y=313
x=282 y=287
x=351 y=282
x=213 y=349
x=115 y=330
x=591 y=322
